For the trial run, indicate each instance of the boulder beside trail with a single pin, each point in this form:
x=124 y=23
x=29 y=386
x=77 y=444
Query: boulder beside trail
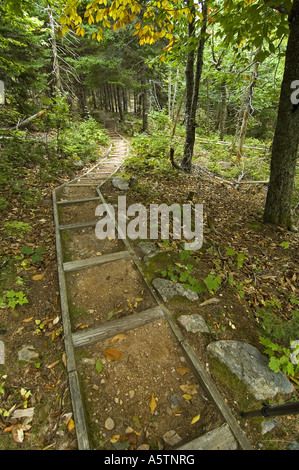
x=251 y=367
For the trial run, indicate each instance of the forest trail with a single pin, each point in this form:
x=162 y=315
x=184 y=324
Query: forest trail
x=135 y=382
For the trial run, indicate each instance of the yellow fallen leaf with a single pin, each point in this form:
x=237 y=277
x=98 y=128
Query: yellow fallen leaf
x=187 y=397
x=114 y=438
x=195 y=419
x=71 y=425
x=113 y=354
x=38 y=277
x=27 y=320
x=152 y=404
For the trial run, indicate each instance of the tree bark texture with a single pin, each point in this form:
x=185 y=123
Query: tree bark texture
x=193 y=75
x=286 y=137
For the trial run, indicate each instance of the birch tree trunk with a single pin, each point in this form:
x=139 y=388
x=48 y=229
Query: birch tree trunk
x=56 y=69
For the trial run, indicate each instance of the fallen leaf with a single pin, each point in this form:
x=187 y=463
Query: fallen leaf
x=195 y=419
x=27 y=320
x=113 y=354
x=183 y=370
x=38 y=277
x=152 y=404
x=187 y=397
x=117 y=338
x=53 y=364
x=99 y=366
x=189 y=388
x=71 y=425
x=17 y=433
x=115 y=438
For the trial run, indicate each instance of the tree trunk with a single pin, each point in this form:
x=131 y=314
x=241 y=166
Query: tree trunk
x=56 y=69
x=286 y=137
x=120 y=103
x=223 y=112
x=144 y=106
x=192 y=88
x=247 y=109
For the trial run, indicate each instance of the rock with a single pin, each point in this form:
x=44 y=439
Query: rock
x=174 y=400
x=148 y=248
x=27 y=353
x=267 y=426
x=109 y=424
x=251 y=367
x=168 y=289
x=294 y=445
x=194 y=323
x=171 y=438
x=120 y=183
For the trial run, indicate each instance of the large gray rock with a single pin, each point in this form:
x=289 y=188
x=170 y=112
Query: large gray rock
x=120 y=183
x=251 y=367
x=168 y=289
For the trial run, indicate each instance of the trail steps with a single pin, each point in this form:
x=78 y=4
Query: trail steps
x=74 y=212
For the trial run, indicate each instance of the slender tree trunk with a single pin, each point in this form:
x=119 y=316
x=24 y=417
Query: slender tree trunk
x=56 y=69
x=223 y=112
x=286 y=137
x=192 y=87
x=208 y=105
x=120 y=103
x=247 y=109
x=144 y=106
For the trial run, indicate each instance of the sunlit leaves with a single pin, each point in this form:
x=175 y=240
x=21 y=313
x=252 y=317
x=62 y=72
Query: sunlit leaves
x=156 y=18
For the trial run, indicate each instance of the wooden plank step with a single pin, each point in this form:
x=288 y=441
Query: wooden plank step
x=78 y=225
x=220 y=438
x=77 y=201
x=113 y=327
x=101 y=259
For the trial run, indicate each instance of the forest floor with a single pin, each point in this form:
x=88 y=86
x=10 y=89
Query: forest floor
x=265 y=282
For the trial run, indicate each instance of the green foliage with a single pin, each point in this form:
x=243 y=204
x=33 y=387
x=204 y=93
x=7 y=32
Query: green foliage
x=36 y=254
x=11 y=299
x=280 y=357
x=17 y=228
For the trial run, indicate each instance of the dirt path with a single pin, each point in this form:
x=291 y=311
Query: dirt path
x=135 y=381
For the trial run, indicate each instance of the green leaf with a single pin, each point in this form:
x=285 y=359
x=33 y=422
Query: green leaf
x=27 y=250
x=99 y=366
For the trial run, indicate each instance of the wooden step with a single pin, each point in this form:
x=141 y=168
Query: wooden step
x=113 y=327
x=89 y=262
x=77 y=201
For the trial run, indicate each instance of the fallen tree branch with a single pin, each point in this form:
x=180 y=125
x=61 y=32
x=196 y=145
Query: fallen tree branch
x=27 y=121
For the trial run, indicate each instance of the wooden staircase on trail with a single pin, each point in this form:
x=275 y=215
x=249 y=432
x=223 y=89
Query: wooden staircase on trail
x=144 y=340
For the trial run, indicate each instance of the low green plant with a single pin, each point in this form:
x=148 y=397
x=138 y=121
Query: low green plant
x=11 y=299
x=280 y=357
x=35 y=254
x=16 y=228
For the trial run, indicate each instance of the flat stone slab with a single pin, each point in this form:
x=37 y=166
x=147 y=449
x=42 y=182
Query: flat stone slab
x=168 y=289
x=194 y=323
x=251 y=367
